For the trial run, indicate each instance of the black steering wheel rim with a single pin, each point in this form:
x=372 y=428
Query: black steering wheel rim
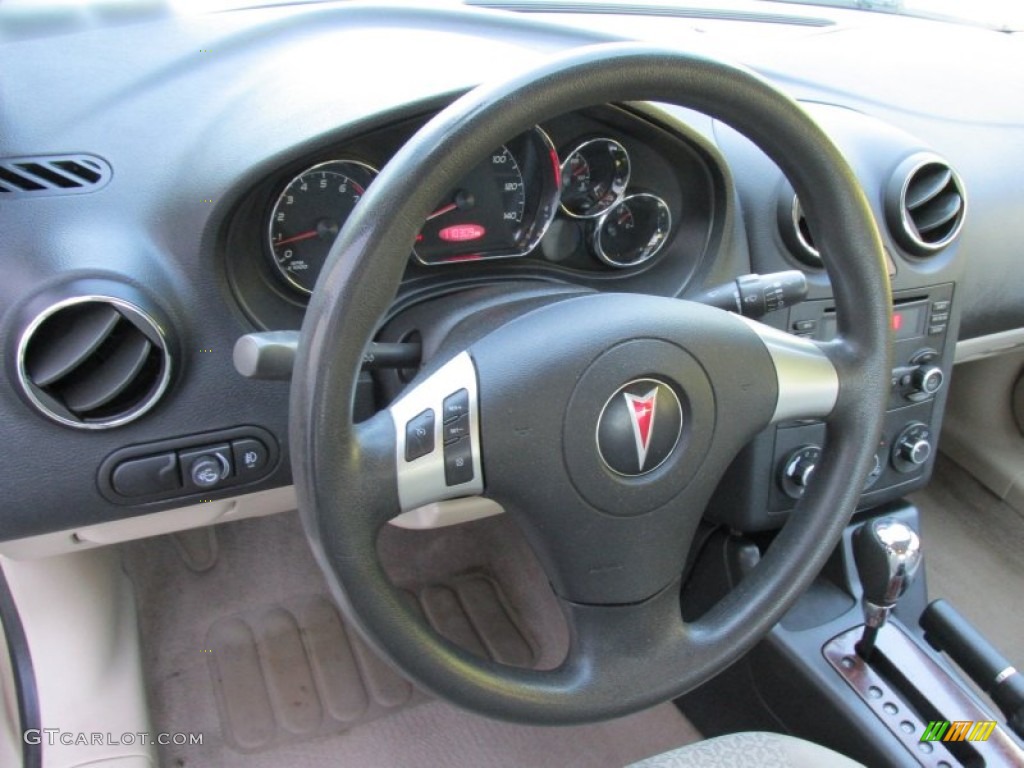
x=344 y=473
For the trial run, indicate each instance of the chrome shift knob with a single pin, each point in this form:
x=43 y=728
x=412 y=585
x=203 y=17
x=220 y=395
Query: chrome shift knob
x=887 y=554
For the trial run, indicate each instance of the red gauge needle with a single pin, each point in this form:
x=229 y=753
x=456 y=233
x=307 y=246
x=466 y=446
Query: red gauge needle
x=296 y=238
x=443 y=210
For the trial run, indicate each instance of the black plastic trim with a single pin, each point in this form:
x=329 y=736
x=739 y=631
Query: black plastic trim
x=185 y=443
x=24 y=675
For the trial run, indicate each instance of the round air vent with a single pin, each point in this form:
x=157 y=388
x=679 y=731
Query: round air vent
x=925 y=204
x=794 y=229
x=808 y=253
x=93 y=362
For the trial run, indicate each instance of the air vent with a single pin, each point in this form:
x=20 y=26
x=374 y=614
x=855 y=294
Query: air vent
x=93 y=362
x=925 y=205
x=52 y=175
x=794 y=229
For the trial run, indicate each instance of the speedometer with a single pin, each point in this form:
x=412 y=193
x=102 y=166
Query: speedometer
x=483 y=213
x=500 y=209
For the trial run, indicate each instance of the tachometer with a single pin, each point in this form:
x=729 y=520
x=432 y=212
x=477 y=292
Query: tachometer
x=500 y=209
x=308 y=215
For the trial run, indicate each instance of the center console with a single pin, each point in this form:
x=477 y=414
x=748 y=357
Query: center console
x=766 y=479
x=853 y=664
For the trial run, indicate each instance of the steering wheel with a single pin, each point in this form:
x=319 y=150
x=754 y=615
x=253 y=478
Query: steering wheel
x=603 y=422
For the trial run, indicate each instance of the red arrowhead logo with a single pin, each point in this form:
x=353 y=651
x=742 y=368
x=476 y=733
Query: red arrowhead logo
x=641 y=414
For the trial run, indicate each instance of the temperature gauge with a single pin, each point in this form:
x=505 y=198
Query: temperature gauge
x=594 y=178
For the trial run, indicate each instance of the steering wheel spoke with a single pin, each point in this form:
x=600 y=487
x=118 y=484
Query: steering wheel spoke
x=807 y=379
x=437 y=436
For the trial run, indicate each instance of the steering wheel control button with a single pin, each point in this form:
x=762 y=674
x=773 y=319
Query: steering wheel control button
x=456 y=406
x=419 y=435
x=458 y=462
x=639 y=427
x=147 y=476
x=250 y=456
x=437 y=436
x=456 y=430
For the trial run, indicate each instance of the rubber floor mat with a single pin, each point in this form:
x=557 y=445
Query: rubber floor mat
x=295 y=670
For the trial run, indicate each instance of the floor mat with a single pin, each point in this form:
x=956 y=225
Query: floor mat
x=294 y=671
x=974 y=554
x=251 y=653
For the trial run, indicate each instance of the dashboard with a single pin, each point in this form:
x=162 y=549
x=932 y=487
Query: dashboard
x=169 y=184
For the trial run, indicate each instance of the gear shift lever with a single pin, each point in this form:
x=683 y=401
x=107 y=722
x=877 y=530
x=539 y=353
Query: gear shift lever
x=888 y=554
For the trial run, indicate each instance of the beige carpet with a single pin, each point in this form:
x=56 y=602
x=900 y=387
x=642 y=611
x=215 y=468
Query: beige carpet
x=974 y=555
x=247 y=649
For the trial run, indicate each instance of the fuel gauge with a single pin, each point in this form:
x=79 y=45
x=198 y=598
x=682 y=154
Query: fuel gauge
x=632 y=231
x=594 y=178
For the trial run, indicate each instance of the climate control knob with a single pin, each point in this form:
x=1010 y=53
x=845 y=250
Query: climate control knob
x=798 y=469
x=916 y=451
x=912 y=448
x=927 y=379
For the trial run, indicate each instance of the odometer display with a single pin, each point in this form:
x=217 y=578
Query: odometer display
x=309 y=213
x=482 y=214
x=500 y=209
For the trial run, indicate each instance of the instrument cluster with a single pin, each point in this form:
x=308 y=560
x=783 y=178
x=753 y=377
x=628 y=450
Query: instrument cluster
x=501 y=209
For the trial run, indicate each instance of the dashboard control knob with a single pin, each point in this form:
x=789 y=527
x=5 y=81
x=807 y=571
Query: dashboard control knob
x=916 y=451
x=206 y=471
x=798 y=469
x=927 y=379
x=912 y=448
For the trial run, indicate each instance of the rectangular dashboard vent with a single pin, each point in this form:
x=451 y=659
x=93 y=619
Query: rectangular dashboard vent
x=52 y=175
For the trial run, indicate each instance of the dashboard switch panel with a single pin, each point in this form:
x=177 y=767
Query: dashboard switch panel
x=771 y=474
x=140 y=477
x=187 y=466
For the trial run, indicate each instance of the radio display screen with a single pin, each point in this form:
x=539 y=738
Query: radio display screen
x=908 y=322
